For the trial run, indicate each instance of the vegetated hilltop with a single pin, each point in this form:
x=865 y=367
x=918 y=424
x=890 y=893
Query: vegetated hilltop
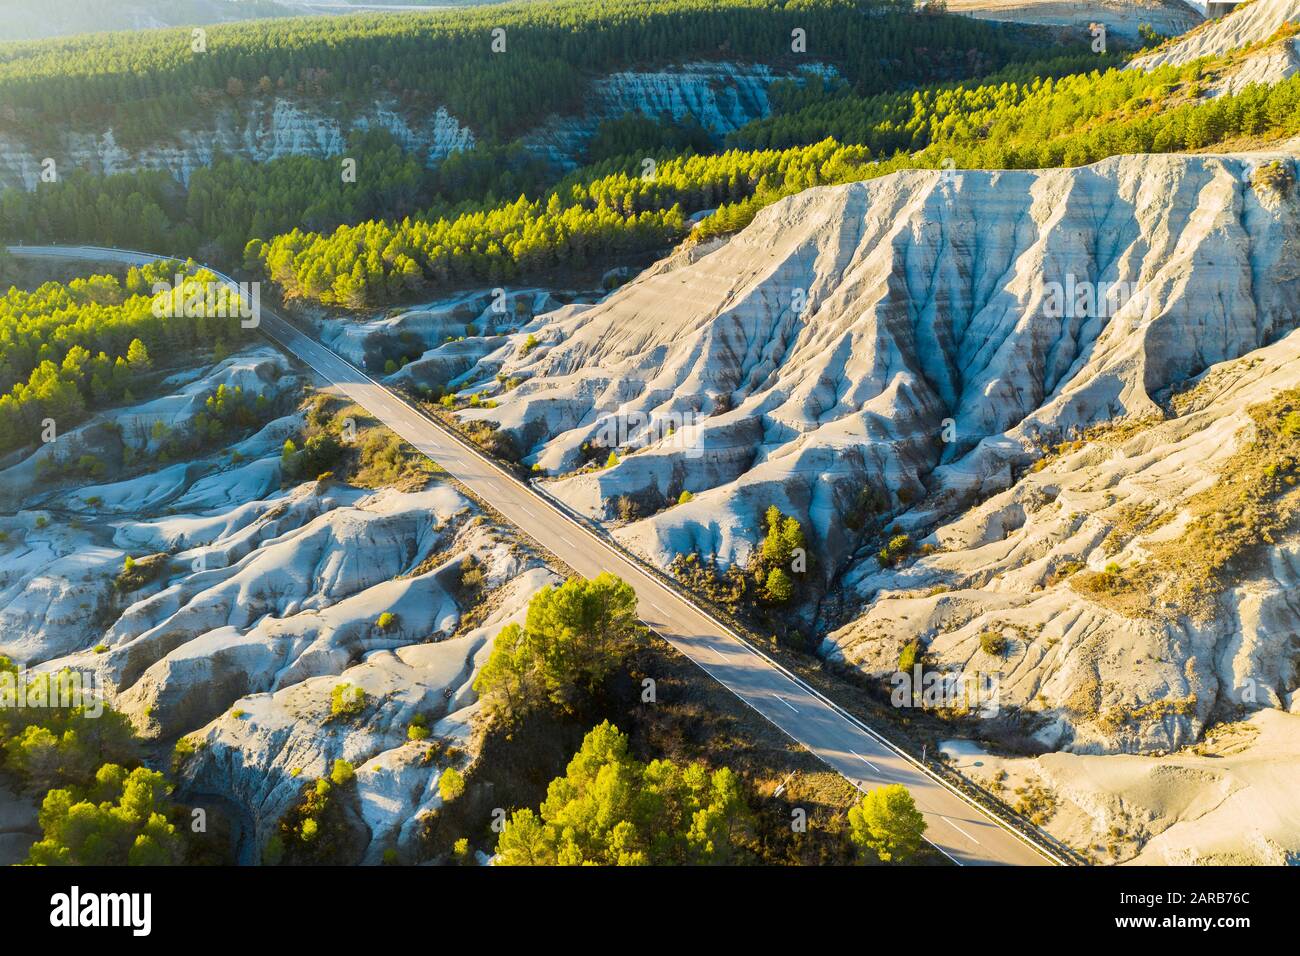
x=114 y=102
x=1259 y=42
x=1248 y=25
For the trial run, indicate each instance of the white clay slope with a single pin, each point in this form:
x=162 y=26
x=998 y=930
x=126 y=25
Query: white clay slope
x=929 y=314
x=1249 y=24
x=269 y=599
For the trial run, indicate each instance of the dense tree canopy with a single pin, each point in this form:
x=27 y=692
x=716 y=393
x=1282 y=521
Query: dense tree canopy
x=144 y=82
x=886 y=826
x=611 y=809
x=66 y=348
x=572 y=637
x=121 y=820
x=65 y=738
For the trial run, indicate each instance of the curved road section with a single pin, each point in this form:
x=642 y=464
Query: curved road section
x=956 y=826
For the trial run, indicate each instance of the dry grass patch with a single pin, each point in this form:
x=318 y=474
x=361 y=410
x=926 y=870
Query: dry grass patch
x=1255 y=501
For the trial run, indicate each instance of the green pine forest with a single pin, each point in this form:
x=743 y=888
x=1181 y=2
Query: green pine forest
x=149 y=82
x=921 y=92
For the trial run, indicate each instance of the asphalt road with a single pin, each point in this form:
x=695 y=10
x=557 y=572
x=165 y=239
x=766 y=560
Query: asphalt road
x=956 y=826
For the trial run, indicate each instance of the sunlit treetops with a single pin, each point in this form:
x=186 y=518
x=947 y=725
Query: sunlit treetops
x=152 y=83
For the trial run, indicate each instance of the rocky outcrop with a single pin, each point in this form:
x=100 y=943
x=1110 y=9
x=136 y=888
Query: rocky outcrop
x=258 y=130
x=1094 y=674
x=1121 y=17
x=721 y=96
x=908 y=334
x=1251 y=23
x=1226 y=801
x=263 y=750
x=1240 y=42
x=442 y=339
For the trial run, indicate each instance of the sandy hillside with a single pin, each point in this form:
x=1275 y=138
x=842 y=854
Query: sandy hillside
x=1228 y=800
x=1122 y=17
x=1249 y=24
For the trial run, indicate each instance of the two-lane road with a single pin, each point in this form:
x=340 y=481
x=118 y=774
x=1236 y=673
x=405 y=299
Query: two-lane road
x=955 y=825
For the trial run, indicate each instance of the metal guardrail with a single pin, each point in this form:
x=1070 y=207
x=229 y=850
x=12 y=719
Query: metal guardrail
x=602 y=536
x=607 y=539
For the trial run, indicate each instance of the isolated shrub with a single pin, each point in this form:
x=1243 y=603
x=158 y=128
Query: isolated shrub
x=347 y=700
x=319 y=454
x=471 y=575
x=418 y=728
x=896 y=550
x=780 y=587
x=628 y=508
x=342 y=773
x=386 y=621
x=1274 y=177
x=993 y=643
x=451 y=784
x=909 y=656
x=784 y=537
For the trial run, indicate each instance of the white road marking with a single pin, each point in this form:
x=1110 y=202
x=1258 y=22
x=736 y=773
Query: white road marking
x=787 y=703
x=865 y=761
x=960 y=830
x=367 y=391
x=945 y=853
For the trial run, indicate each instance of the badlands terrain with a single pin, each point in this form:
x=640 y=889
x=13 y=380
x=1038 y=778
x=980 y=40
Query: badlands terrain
x=1262 y=38
x=263 y=596
x=721 y=96
x=1047 y=461
x=1039 y=427
x=1046 y=453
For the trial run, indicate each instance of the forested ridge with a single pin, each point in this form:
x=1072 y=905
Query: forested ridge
x=498 y=213
x=494 y=214
x=1070 y=121
x=149 y=84
x=68 y=348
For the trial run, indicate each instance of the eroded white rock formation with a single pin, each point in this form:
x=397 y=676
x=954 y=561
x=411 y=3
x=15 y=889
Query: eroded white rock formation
x=908 y=334
x=267 y=599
